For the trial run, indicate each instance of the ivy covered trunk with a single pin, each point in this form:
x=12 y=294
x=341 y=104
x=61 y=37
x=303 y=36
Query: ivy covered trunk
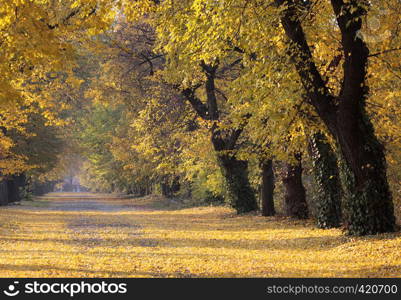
x=267 y=189
x=239 y=192
x=368 y=202
x=327 y=178
x=295 y=197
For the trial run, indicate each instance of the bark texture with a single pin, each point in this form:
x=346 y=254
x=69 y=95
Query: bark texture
x=267 y=189
x=295 y=204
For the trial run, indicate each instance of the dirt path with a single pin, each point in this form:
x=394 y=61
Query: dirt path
x=86 y=228
x=63 y=231
x=86 y=202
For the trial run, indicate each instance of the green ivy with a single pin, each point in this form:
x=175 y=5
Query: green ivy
x=239 y=193
x=328 y=192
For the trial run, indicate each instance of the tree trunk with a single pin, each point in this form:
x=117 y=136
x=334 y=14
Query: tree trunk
x=169 y=187
x=164 y=189
x=295 y=197
x=327 y=178
x=176 y=185
x=267 y=189
x=14 y=185
x=141 y=191
x=3 y=192
x=239 y=192
x=368 y=201
x=13 y=192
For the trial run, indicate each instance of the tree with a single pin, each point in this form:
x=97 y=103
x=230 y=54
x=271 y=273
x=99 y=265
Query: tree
x=368 y=198
x=225 y=142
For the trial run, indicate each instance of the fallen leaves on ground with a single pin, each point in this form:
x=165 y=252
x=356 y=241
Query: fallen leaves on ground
x=127 y=238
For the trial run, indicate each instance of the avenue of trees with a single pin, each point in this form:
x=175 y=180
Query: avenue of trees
x=279 y=106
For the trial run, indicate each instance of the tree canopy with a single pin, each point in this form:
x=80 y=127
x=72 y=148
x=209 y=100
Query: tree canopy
x=206 y=100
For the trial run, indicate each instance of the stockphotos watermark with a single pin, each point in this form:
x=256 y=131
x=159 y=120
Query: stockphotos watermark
x=70 y=289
